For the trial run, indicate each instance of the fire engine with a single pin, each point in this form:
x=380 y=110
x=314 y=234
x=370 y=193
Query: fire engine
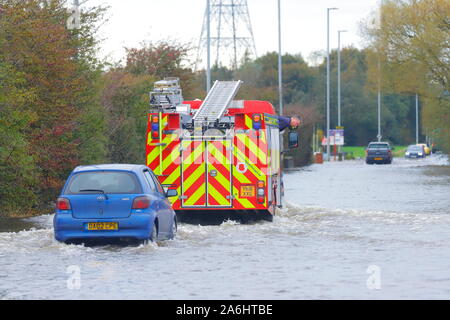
x=220 y=155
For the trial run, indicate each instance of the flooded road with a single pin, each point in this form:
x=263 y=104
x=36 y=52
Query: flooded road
x=349 y=231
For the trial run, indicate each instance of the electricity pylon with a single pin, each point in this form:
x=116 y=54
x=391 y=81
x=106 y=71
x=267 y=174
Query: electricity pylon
x=231 y=32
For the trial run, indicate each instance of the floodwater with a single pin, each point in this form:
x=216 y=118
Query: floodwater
x=349 y=231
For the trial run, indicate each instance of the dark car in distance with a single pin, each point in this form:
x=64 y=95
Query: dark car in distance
x=379 y=152
x=415 y=151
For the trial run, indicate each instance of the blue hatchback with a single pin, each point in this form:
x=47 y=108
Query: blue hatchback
x=114 y=201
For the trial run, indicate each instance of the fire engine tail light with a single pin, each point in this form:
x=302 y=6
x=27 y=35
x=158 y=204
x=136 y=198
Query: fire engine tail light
x=257 y=121
x=261 y=192
x=155 y=127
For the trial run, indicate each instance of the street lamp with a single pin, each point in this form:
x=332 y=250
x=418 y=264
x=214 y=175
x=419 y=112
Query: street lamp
x=379 y=136
x=208 y=46
x=328 y=81
x=417 y=118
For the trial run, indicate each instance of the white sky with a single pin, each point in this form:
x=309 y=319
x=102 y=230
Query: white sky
x=303 y=23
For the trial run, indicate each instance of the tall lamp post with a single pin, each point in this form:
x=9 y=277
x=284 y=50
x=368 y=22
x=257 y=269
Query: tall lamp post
x=379 y=136
x=328 y=81
x=208 y=46
x=417 y=118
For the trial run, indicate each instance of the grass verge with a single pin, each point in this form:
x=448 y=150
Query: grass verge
x=360 y=152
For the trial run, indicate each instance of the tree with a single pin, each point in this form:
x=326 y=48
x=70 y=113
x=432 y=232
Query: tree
x=126 y=103
x=59 y=68
x=412 y=46
x=126 y=91
x=17 y=166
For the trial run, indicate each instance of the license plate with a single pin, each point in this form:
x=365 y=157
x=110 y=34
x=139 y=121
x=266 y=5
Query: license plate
x=94 y=226
x=247 y=191
x=378 y=159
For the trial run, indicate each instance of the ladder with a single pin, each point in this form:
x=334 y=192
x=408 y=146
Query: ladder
x=217 y=101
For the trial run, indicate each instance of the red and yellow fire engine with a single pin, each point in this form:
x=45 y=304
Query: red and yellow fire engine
x=218 y=154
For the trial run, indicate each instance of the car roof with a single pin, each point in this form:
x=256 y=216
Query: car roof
x=379 y=143
x=121 y=167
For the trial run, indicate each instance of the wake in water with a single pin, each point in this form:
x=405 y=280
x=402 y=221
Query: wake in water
x=293 y=219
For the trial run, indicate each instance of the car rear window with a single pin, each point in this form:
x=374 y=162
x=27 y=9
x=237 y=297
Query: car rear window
x=112 y=182
x=378 y=146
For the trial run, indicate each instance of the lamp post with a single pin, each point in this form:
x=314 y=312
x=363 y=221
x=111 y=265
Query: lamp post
x=328 y=81
x=417 y=118
x=379 y=136
x=208 y=46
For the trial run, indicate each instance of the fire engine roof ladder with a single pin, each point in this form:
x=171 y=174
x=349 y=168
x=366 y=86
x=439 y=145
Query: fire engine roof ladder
x=219 y=97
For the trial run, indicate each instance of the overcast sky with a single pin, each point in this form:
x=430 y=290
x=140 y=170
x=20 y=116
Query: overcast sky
x=303 y=23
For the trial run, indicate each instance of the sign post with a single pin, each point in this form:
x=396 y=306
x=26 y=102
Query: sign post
x=336 y=139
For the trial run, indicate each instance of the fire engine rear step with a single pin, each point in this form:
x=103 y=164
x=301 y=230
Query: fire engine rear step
x=217 y=101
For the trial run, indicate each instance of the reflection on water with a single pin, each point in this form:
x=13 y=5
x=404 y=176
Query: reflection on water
x=341 y=219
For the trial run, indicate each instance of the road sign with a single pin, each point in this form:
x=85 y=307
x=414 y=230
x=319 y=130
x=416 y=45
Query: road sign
x=337 y=137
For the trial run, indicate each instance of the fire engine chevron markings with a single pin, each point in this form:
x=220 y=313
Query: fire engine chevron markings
x=220 y=199
x=253 y=169
x=253 y=147
x=194 y=182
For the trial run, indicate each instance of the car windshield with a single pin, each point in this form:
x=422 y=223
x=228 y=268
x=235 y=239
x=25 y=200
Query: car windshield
x=108 y=182
x=414 y=148
x=378 y=146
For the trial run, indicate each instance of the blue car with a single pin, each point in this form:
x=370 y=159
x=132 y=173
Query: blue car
x=114 y=202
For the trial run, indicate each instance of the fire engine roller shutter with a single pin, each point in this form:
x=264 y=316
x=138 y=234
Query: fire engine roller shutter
x=219 y=173
x=206 y=173
x=193 y=173
x=251 y=151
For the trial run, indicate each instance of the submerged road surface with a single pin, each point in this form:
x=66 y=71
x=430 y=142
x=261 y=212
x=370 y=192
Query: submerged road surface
x=349 y=231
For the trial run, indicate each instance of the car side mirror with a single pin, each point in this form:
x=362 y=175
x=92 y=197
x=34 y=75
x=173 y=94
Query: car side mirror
x=171 y=193
x=293 y=139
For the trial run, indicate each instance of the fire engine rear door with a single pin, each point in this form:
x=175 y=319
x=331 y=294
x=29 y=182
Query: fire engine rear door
x=218 y=177
x=193 y=173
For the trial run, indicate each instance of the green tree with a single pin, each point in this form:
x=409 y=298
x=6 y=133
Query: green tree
x=126 y=103
x=17 y=166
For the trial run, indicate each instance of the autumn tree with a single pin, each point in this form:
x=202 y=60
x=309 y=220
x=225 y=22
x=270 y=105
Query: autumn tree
x=51 y=92
x=125 y=96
